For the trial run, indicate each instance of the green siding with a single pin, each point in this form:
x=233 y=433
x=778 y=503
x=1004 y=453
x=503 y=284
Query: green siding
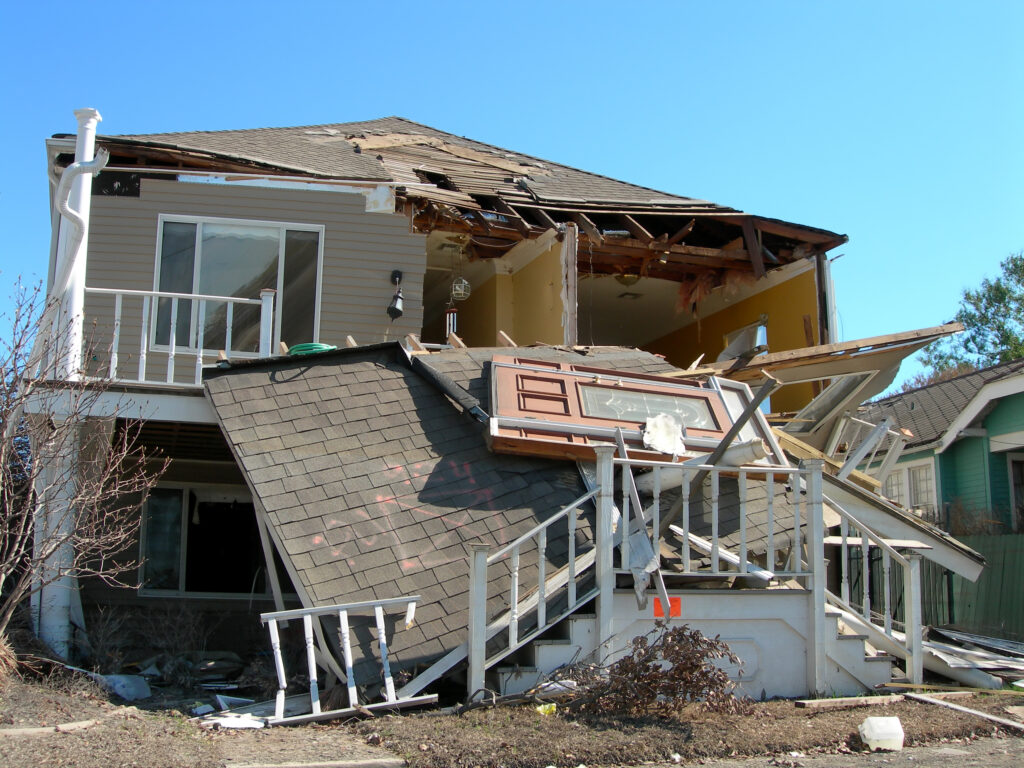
x=992 y=605
x=967 y=475
x=1007 y=416
x=999 y=478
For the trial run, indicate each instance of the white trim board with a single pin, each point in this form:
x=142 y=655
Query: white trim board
x=992 y=391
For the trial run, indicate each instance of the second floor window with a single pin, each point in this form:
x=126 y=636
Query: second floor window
x=233 y=258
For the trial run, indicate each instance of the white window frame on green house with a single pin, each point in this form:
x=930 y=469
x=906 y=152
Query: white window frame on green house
x=1011 y=458
x=205 y=492
x=907 y=498
x=200 y=223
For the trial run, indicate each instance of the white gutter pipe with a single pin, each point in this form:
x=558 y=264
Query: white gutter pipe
x=73 y=198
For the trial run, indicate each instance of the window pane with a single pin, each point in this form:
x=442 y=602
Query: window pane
x=298 y=304
x=162 y=548
x=630 y=405
x=237 y=260
x=894 y=487
x=922 y=491
x=177 y=262
x=826 y=402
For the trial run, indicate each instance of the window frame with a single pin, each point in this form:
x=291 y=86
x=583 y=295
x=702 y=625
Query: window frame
x=199 y=221
x=1011 y=458
x=911 y=503
x=204 y=492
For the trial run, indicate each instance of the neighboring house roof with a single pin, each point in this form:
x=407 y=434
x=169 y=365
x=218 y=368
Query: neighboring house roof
x=931 y=412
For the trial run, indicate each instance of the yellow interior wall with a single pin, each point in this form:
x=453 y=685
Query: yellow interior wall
x=784 y=304
x=537 y=300
x=487 y=310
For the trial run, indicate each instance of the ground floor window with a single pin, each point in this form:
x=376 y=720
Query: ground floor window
x=202 y=539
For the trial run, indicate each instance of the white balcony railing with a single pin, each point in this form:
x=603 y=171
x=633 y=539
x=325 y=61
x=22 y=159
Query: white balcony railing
x=145 y=330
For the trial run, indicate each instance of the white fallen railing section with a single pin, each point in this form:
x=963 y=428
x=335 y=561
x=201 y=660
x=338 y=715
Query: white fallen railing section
x=196 y=353
x=855 y=598
x=341 y=613
x=857 y=443
x=517 y=602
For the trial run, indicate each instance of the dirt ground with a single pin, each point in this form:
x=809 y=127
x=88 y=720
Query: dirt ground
x=774 y=734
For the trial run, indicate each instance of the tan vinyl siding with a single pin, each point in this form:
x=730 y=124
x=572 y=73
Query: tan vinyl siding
x=360 y=250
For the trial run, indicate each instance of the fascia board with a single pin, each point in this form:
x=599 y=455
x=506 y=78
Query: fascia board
x=992 y=391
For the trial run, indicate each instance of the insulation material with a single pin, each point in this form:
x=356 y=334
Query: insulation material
x=664 y=433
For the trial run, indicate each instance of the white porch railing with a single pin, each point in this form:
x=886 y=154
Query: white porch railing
x=180 y=365
x=855 y=596
x=565 y=584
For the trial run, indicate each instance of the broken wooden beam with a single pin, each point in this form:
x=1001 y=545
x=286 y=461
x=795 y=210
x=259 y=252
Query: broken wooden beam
x=635 y=228
x=753 y=241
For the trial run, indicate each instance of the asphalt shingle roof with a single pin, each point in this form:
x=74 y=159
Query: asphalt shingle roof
x=376 y=486
x=930 y=410
x=326 y=150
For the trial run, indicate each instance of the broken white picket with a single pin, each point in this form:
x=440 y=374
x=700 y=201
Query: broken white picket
x=342 y=612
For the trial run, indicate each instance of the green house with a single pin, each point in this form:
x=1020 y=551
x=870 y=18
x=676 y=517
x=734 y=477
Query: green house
x=963 y=466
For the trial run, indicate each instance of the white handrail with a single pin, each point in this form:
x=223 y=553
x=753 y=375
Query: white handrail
x=171 y=295
x=545 y=524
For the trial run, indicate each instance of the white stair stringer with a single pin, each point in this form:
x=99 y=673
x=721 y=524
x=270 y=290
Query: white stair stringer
x=855 y=665
x=972 y=677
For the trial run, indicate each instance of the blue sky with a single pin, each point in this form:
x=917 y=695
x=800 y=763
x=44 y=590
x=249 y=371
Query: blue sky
x=898 y=124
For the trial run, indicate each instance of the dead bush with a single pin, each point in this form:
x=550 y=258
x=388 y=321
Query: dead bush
x=666 y=670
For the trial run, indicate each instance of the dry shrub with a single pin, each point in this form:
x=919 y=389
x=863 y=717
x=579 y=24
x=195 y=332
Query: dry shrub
x=8 y=660
x=666 y=670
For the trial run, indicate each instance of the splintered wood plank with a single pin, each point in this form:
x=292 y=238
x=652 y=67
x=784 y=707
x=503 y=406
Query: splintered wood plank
x=589 y=227
x=635 y=228
x=753 y=247
x=846 y=702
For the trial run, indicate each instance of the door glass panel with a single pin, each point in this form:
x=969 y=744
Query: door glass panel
x=236 y=261
x=298 y=304
x=631 y=405
x=177 y=263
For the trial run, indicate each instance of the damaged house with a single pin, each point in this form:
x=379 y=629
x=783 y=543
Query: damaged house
x=449 y=415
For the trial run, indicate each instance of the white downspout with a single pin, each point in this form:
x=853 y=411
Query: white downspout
x=73 y=198
x=62 y=325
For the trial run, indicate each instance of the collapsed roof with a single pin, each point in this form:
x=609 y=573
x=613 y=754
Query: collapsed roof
x=495 y=196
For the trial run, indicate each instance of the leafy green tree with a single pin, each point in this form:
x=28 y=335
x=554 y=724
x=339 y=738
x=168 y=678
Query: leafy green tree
x=993 y=320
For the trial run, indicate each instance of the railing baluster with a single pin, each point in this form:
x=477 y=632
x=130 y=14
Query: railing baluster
x=714 y=522
x=200 y=339
x=656 y=510
x=865 y=576
x=282 y=682
x=542 y=566
x=770 y=490
x=144 y=343
x=173 y=340
x=743 y=521
x=887 y=594
x=382 y=641
x=571 y=525
x=844 y=583
x=684 y=513
x=513 y=624
x=228 y=322
x=624 y=547
x=314 y=690
x=117 y=336
x=798 y=497
x=345 y=636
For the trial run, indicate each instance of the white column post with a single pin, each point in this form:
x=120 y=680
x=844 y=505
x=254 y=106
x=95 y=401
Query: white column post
x=267 y=321
x=55 y=519
x=604 y=573
x=73 y=251
x=912 y=617
x=816 y=640
x=476 y=643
